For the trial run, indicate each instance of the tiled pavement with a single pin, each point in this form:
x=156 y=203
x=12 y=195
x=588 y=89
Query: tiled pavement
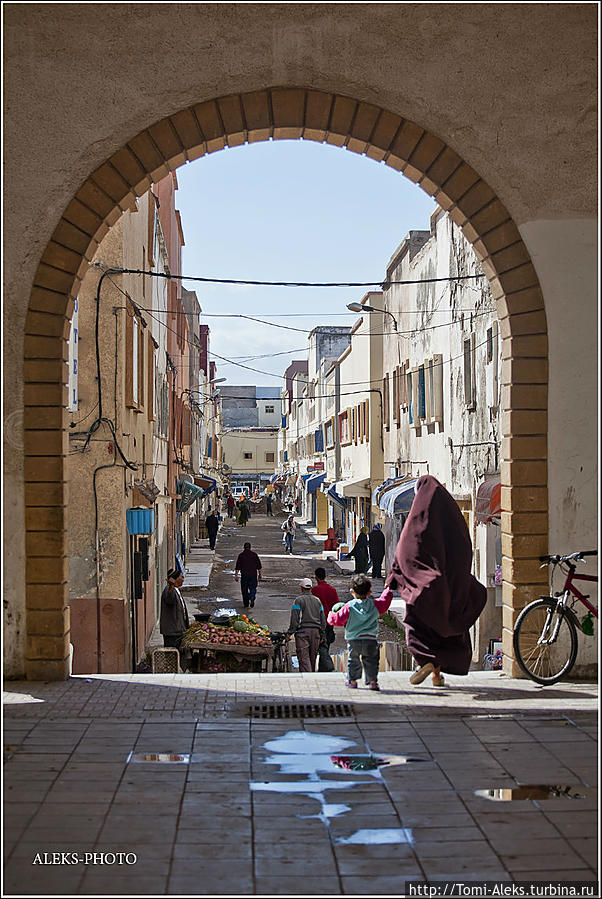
x=260 y=809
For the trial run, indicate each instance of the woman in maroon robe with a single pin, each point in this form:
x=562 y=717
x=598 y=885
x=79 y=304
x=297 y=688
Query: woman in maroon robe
x=431 y=571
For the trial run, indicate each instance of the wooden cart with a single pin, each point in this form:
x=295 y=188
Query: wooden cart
x=257 y=656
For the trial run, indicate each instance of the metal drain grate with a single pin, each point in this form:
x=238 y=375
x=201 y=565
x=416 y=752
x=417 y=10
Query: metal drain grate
x=302 y=710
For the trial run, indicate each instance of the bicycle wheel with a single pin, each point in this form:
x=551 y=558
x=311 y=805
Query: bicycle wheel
x=542 y=657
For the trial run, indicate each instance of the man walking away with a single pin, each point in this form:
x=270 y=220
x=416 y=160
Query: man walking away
x=308 y=625
x=376 y=544
x=268 y=504
x=248 y=565
x=328 y=596
x=173 y=620
x=230 y=505
x=212 y=525
x=289 y=527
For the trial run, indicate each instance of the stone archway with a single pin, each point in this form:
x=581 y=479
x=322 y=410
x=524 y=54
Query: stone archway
x=278 y=113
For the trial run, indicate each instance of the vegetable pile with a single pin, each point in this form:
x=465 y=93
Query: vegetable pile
x=241 y=632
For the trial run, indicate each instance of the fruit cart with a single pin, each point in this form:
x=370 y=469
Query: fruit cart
x=238 y=645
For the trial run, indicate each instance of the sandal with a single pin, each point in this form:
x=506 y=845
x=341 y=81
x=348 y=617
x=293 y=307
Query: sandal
x=352 y=684
x=373 y=685
x=422 y=673
x=438 y=680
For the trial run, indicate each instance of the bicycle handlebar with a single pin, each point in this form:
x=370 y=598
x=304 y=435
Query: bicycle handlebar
x=577 y=557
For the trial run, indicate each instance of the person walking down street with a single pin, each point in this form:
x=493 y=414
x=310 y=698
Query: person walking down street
x=173 y=620
x=376 y=545
x=360 y=552
x=328 y=596
x=230 y=505
x=268 y=504
x=432 y=573
x=289 y=527
x=212 y=525
x=360 y=618
x=243 y=512
x=308 y=625
x=248 y=565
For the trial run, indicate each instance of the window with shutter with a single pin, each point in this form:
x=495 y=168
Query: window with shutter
x=150 y=399
x=421 y=393
x=469 y=373
x=386 y=408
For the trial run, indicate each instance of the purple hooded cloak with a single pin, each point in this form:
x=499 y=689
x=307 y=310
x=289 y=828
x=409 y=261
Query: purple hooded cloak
x=431 y=571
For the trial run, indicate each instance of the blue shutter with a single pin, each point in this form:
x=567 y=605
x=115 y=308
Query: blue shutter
x=421 y=393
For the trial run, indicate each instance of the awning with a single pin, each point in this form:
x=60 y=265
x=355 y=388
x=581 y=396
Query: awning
x=398 y=499
x=353 y=488
x=314 y=482
x=332 y=494
x=488 y=505
x=206 y=483
x=188 y=494
x=305 y=477
x=379 y=488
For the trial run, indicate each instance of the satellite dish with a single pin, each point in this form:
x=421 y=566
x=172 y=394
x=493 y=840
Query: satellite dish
x=226 y=468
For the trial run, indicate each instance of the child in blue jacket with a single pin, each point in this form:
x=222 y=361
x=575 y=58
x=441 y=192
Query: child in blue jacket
x=360 y=617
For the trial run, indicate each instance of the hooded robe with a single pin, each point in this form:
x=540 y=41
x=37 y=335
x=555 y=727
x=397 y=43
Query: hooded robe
x=432 y=572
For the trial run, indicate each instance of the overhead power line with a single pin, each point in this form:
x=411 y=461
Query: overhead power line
x=246 y=283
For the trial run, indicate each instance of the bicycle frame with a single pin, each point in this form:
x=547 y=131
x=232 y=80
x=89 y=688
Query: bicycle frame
x=569 y=587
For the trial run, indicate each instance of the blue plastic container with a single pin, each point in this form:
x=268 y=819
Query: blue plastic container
x=140 y=520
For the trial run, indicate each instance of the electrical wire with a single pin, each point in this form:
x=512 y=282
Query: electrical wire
x=231 y=361
x=383 y=283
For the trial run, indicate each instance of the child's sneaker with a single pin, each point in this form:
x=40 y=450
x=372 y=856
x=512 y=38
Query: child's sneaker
x=351 y=683
x=373 y=685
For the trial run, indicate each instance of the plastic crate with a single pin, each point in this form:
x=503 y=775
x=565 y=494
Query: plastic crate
x=166 y=661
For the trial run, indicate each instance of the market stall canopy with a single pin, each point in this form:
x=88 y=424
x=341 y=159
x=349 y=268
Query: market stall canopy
x=398 y=498
x=206 y=483
x=488 y=507
x=380 y=488
x=332 y=494
x=312 y=484
x=353 y=488
x=188 y=494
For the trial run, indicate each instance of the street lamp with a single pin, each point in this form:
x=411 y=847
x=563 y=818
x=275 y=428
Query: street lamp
x=358 y=307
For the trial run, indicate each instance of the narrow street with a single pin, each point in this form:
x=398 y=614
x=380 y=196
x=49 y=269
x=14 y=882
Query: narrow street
x=281 y=573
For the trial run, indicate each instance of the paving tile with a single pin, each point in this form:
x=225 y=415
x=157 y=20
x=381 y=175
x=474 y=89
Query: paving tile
x=224 y=884
x=297 y=886
x=133 y=885
x=586 y=848
x=291 y=865
x=577 y=875
x=568 y=859
x=395 y=865
x=378 y=885
x=442 y=849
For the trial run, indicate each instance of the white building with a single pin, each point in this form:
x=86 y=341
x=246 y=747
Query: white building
x=441 y=363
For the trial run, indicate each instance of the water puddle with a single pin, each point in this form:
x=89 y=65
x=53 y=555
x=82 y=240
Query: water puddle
x=381 y=837
x=314 y=755
x=539 y=792
x=166 y=757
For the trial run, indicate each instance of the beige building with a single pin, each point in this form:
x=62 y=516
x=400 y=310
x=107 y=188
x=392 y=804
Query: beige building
x=250 y=455
x=507 y=148
x=114 y=455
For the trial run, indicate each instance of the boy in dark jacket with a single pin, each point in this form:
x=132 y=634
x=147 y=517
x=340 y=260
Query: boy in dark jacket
x=360 y=617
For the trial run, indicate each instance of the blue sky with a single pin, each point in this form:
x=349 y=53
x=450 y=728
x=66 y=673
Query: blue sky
x=288 y=211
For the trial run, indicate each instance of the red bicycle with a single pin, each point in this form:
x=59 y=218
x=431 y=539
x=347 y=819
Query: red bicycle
x=545 y=634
